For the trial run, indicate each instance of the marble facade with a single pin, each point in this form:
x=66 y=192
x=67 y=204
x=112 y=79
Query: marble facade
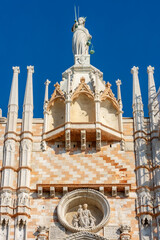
x=83 y=171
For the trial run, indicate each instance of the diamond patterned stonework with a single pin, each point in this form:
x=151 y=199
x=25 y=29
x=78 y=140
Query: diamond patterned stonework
x=83 y=171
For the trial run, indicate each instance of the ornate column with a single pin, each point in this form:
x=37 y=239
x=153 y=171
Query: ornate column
x=97 y=97
x=68 y=98
x=118 y=82
x=155 y=151
x=97 y=111
x=26 y=135
x=45 y=106
x=6 y=208
x=23 y=203
x=67 y=112
x=144 y=199
x=10 y=135
x=45 y=113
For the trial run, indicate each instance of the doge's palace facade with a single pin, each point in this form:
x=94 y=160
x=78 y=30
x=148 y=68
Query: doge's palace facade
x=83 y=171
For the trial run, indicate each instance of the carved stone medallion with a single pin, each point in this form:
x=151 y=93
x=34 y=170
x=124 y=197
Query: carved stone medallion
x=83 y=210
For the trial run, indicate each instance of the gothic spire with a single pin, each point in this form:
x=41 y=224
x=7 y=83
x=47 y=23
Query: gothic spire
x=138 y=114
x=151 y=85
x=136 y=87
x=13 y=99
x=28 y=99
x=13 y=102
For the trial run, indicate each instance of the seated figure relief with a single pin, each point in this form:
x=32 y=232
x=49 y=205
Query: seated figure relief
x=83 y=218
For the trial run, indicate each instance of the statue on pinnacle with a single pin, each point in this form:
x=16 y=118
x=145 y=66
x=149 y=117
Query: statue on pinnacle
x=81 y=37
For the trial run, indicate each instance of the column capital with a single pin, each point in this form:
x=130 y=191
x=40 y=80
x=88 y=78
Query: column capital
x=16 y=69
x=96 y=72
x=150 y=69
x=69 y=71
x=30 y=68
x=134 y=70
x=47 y=82
x=118 y=82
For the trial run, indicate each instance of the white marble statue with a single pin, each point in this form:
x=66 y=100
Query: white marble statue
x=83 y=218
x=81 y=37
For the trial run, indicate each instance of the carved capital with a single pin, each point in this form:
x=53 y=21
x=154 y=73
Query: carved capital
x=68 y=71
x=125 y=228
x=118 y=82
x=16 y=69
x=125 y=232
x=23 y=199
x=47 y=82
x=150 y=69
x=26 y=145
x=6 y=198
x=10 y=145
x=96 y=72
x=30 y=68
x=134 y=70
x=42 y=232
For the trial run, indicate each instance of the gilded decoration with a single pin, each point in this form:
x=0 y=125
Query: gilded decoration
x=56 y=94
x=82 y=88
x=108 y=94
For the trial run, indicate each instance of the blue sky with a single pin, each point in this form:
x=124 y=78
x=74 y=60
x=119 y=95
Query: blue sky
x=35 y=32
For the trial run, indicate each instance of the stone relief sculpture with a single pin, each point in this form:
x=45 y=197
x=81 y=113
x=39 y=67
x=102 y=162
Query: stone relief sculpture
x=6 y=199
x=23 y=199
x=83 y=218
x=81 y=37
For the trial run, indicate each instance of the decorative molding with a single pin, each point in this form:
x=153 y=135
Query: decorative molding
x=40 y=191
x=42 y=232
x=43 y=146
x=82 y=88
x=98 y=139
x=126 y=191
x=108 y=94
x=52 y=191
x=6 y=198
x=125 y=232
x=79 y=197
x=83 y=140
x=56 y=94
x=23 y=199
x=84 y=235
x=114 y=191
x=4 y=220
x=68 y=140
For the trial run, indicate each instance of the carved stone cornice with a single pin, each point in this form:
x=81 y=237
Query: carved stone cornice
x=84 y=235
